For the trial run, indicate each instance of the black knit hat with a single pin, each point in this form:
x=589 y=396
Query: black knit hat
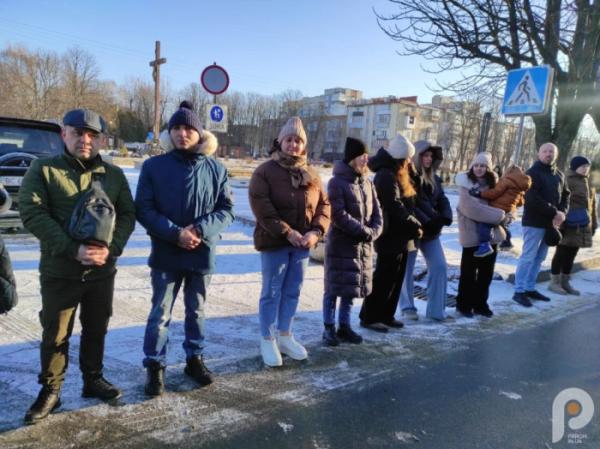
x=578 y=161
x=354 y=148
x=185 y=115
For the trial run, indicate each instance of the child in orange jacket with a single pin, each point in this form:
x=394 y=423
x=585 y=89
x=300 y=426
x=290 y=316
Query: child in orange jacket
x=507 y=195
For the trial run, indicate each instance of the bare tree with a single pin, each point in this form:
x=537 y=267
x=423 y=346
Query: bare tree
x=485 y=38
x=30 y=83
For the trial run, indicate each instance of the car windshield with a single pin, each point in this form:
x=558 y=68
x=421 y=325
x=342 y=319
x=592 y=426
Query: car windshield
x=29 y=140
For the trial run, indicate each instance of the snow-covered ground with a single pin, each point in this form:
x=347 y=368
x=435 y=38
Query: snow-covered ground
x=232 y=324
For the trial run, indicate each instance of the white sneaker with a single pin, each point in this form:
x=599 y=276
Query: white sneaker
x=290 y=347
x=270 y=352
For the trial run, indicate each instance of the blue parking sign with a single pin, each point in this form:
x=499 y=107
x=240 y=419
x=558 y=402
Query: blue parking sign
x=528 y=91
x=216 y=114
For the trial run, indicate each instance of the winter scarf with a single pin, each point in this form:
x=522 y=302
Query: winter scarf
x=297 y=166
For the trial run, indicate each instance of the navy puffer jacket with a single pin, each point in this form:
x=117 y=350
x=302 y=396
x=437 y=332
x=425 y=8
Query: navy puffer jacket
x=399 y=222
x=356 y=223
x=548 y=193
x=175 y=190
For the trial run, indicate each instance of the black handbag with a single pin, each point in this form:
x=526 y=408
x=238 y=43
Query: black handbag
x=93 y=218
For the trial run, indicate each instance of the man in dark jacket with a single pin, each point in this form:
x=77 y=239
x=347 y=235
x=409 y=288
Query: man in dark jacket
x=546 y=204
x=183 y=200
x=73 y=273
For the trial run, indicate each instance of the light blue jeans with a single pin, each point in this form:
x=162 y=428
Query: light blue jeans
x=165 y=286
x=533 y=254
x=282 y=276
x=437 y=280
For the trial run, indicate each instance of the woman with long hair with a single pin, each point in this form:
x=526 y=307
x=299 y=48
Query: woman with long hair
x=434 y=212
x=476 y=273
x=398 y=197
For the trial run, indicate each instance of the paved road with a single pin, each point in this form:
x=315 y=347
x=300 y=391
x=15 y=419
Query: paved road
x=497 y=393
x=488 y=387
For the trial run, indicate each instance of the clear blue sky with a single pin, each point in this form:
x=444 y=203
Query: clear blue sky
x=266 y=46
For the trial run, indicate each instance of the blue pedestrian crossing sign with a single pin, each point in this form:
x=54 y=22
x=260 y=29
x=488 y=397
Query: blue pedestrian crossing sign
x=216 y=118
x=528 y=91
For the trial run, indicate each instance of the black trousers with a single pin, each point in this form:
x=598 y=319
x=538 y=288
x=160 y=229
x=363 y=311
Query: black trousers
x=476 y=275
x=380 y=305
x=563 y=259
x=60 y=299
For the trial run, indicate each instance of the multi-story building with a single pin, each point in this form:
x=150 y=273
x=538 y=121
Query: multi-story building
x=376 y=121
x=324 y=117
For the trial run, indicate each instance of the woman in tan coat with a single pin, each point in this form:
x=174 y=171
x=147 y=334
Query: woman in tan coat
x=292 y=212
x=578 y=228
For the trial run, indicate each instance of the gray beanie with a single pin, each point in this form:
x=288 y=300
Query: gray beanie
x=293 y=127
x=484 y=159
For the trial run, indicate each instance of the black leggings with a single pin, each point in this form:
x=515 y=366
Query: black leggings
x=563 y=259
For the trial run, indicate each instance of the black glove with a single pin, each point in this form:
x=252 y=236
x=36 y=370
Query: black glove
x=474 y=191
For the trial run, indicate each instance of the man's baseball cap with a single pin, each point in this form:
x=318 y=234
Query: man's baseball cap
x=85 y=118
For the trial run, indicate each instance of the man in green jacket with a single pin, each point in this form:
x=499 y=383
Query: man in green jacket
x=73 y=273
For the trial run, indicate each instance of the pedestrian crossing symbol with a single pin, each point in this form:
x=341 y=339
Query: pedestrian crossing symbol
x=527 y=91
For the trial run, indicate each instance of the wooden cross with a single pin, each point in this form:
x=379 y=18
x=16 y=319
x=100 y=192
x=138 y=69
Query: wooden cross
x=156 y=77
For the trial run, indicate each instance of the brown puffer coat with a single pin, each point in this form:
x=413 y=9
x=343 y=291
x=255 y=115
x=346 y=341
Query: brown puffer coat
x=509 y=193
x=280 y=208
x=582 y=196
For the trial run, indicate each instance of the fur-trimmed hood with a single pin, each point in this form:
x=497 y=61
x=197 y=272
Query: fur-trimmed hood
x=421 y=146
x=208 y=142
x=462 y=180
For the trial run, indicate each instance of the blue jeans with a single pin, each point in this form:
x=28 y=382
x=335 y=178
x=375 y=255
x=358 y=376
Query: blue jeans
x=329 y=303
x=484 y=232
x=533 y=254
x=165 y=287
x=437 y=280
x=282 y=276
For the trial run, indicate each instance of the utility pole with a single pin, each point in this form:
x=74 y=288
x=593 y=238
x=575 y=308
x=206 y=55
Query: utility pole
x=156 y=77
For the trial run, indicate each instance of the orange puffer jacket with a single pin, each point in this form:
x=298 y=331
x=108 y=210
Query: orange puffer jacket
x=509 y=193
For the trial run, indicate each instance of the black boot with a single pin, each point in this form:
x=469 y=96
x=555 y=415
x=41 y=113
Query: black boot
x=47 y=401
x=197 y=370
x=99 y=387
x=345 y=333
x=155 y=383
x=521 y=298
x=329 y=337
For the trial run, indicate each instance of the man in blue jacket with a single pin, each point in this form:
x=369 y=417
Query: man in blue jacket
x=546 y=204
x=184 y=202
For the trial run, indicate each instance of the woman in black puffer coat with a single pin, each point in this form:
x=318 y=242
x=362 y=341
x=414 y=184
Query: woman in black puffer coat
x=8 y=285
x=397 y=196
x=356 y=223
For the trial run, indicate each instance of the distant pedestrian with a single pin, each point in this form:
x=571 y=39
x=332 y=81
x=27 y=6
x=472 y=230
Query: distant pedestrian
x=72 y=273
x=184 y=201
x=292 y=213
x=546 y=205
x=507 y=195
x=579 y=227
x=398 y=198
x=434 y=212
x=476 y=273
x=356 y=222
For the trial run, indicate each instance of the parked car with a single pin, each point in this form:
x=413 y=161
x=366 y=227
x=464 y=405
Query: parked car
x=22 y=141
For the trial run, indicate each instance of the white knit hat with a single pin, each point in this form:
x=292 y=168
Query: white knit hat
x=293 y=127
x=401 y=148
x=484 y=159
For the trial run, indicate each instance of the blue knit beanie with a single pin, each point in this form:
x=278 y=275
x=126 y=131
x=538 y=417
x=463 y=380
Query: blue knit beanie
x=185 y=115
x=578 y=161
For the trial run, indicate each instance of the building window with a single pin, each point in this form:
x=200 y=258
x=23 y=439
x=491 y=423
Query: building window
x=383 y=119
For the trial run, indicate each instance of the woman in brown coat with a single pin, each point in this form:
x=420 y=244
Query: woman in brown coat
x=292 y=212
x=578 y=228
